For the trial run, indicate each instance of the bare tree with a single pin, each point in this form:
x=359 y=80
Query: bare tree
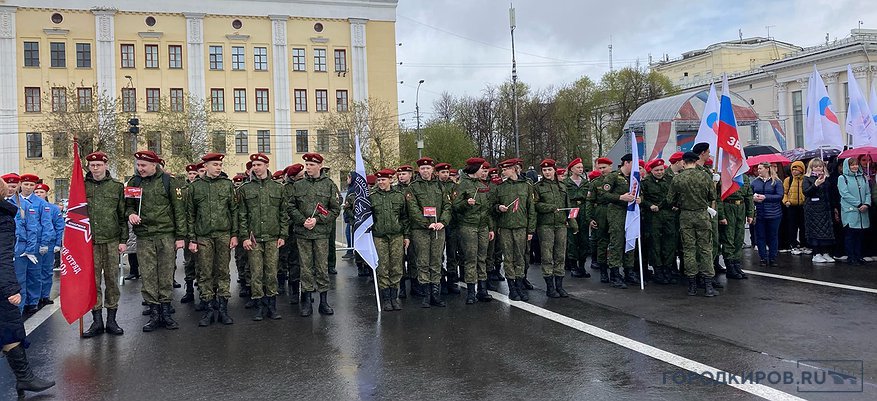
x=444 y=108
x=378 y=131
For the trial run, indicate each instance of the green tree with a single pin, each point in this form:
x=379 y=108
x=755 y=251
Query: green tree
x=443 y=142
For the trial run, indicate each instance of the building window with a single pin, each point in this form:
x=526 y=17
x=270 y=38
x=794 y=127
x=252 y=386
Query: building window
x=322 y=100
x=59 y=99
x=238 y=58
x=58 y=53
x=178 y=142
x=127 y=56
x=260 y=58
x=240 y=100
x=340 y=60
x=84 y=98
x=261 y=99
x=301 y=100
x=263 y=141
x=153 y=141
x=301 y=140
x=129 y=100
x=175 y=56
x=219 y=144
x=798 y=118
x=298 y=60
x=153 y=100
x=343 y=139
x=241 y=146
x=216 y=57
x=177 y=100
x=217 y=99
x=61 y=189
x=60 y=145
x=320 y=60
x=34 y=145
x=83 y=55
x=341 y=100
x=151 y=56
x=31 y=54
x=322 y=140
x=32 y=100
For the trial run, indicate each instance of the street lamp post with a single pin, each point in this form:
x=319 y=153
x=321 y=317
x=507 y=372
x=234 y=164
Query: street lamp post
x=417 y=112
x=514 y=83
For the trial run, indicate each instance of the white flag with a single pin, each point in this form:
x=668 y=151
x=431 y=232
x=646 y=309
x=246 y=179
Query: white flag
x=631 y=221
x=860 y=120
x=709 y=122
x=363 y=242
x=821 y=128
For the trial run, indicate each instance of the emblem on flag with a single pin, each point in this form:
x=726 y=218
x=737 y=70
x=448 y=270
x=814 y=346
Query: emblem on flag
x=429 y=211
x=133 y=192
x=322 y=210
x=573 y=213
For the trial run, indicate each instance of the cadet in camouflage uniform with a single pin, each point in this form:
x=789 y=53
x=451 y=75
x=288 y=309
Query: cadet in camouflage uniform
x=472 y=212
x=616 y=194
x=595 y=213
x=674 y=168
x=577 y=244
x=515 y=216
x=109 y=228
x=519 y=168
x=240 y=254
x=451 y=272
x=705 y=164
x=189 y=257
x=735 y=211
x=693 y=192
x=429 y=212
x=663 y=223
x=390 y=233
x=211 y=218
x=404 y=175
x=314 y=209
x=290 y=269
x=552 y=206
x=263 y=225
x=160 y=226
x=494 y=250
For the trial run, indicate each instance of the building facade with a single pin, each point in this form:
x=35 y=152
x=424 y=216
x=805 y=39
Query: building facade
x=271 y=68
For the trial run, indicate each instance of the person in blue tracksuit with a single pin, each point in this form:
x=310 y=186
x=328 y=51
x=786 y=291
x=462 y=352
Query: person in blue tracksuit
x=46 y=241
x=27 y=227
x=48 y=261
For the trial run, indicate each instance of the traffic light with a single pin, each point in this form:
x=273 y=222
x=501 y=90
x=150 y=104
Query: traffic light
x=133 y=126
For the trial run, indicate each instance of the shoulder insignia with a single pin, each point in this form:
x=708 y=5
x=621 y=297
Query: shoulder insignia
x=607 y=187
x=179 y=194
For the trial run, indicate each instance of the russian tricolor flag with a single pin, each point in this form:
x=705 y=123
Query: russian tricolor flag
x=731 y=161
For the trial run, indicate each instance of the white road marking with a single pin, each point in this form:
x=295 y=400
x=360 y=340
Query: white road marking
x=808 y=281
x=41 y=316
x=759 y=390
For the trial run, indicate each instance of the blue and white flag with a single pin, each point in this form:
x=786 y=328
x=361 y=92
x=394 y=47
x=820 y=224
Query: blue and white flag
x=631 y=222
x=709 y=122
x=363 y=242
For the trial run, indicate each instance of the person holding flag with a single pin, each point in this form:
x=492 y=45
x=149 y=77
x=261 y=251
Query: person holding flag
x=313 y=210
x=577 y=243
x=617 y=194
x=390 y=233
x=515 y=214
x=554 y=213
x=471 y=206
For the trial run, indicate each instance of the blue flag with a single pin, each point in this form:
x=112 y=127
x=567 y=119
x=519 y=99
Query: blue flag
x=631 y=222
x=363 y=242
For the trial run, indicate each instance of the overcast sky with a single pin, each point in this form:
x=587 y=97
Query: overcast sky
x=460 y=46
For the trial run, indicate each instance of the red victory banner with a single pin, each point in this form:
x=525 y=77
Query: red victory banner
x=133 y=192
x=78 y=291
x=322 y=210
x=515 y=205
x=573 y=213
x=429 y=211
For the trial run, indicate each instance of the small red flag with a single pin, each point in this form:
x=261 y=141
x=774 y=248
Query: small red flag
x=133 y=192
x=78 y=288
x=429 y=211
x=322 y=210
x=573 y=213
x=516 y=204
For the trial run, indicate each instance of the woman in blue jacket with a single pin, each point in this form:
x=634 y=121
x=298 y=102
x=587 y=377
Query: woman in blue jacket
x=768 y=196
x=855 y=200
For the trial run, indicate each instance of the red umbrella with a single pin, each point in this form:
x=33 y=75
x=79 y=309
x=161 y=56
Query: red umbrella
x=774 y=158
x=860 y=151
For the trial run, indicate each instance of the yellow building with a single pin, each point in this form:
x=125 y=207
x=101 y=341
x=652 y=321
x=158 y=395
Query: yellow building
x=272 y=68
x=701 y=66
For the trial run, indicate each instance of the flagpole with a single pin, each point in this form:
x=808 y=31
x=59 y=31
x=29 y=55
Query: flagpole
x=80 y=326
x=377 y=290
x=642 y=279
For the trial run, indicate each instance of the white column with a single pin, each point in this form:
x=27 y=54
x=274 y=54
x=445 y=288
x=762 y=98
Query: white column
x=803 y=83
x=105 y=52
x=282 y=111
x=782 y=101
x=9 y=138
x=195 y=54
x=358 y=60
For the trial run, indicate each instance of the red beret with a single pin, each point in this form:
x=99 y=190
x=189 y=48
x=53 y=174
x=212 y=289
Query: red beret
x=249 y=165
x=278 y=174
x=519 y=161
x=561 y=171
x=442 y=167
x=212 y=157
x=147 y=156
x=475 y=160
x=655 y=163
x=258 y=157
x=30 y=178
x=313 y=158
x=239 y=178
x=709 y=162
x=508 y=163
x=425 y=161
x=575 y=161
x=676 y=157
x=454 y=172
x=485 y=165
x=11 y=178
x=404 y=167
x=496 y=180
x=385 y=173
x=604 y=160
x=371 y=179
x=200 y=165
x=97 y=157
x=191 y=167
x=294 y=169
x=642 y=163
x=44 y=187
x=548 y=163
x=593 y=175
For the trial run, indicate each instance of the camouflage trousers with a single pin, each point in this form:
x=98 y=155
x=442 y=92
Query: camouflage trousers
x=474 y=244
x=288 y=264
x=617 y=257
x=157 y=257
x=514 y=243
x=189 y=264
x=314 y=257
x=663 y=239
x=263 y=268
x=106 y=266
x=552 y=241
x=732 y=234
x=391 y=250
x=695 y=227
x=241 y=263
x=213 y=259
x=600 y=236
x=429 y=248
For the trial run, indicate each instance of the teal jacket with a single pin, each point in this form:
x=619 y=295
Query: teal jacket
x=854 y=191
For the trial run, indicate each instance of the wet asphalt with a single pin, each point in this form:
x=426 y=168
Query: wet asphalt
x=471 y=352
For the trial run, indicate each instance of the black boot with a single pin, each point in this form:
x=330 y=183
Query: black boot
x=418 y=289
x=169 y=322
x=514 y=294
x=451 y=283
x=223 y=312
x=716 y=283
x=732 y=272
x=394 y=299
x=424 y=303
x=435 y=296
x=207 y=317
x=709 y=282
x=294 y=292
x=616 y=279
x=260 y=307
x=190 y=293
x=271 y=304
x=177 y=285
x=718 y=266
x=567 y=264
x=493 y=285
x=245 y=292
x=202 y=306
x=740 y=271
x=522 y=289
x=402 y=293
x=604 y=274
x=550 y=290
x=692 y=286
x=154 y=319
x=25 y=380
x=631 y=276
x=660 y=276
x=558 y=285
x=281 y=284
x=324 y=308
x=577 y=271
x=471 y=298
x=112 y=326
x=332 y=270
x=526 y=283
x=386 y=304
x=133 y=273
x=581 y=265
x=306 y=306
x=482 y=293
x=97 y=324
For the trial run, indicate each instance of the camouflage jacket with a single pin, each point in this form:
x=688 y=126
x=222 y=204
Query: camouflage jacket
x=518 y=196
x=162 y=212
x=691 y=189
x=106 y=209
x=477 y=215
x=211 y=208
x=262 y=210
x=307 y=193
x=390 y=213
x=549 y=197
x=422 y=194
